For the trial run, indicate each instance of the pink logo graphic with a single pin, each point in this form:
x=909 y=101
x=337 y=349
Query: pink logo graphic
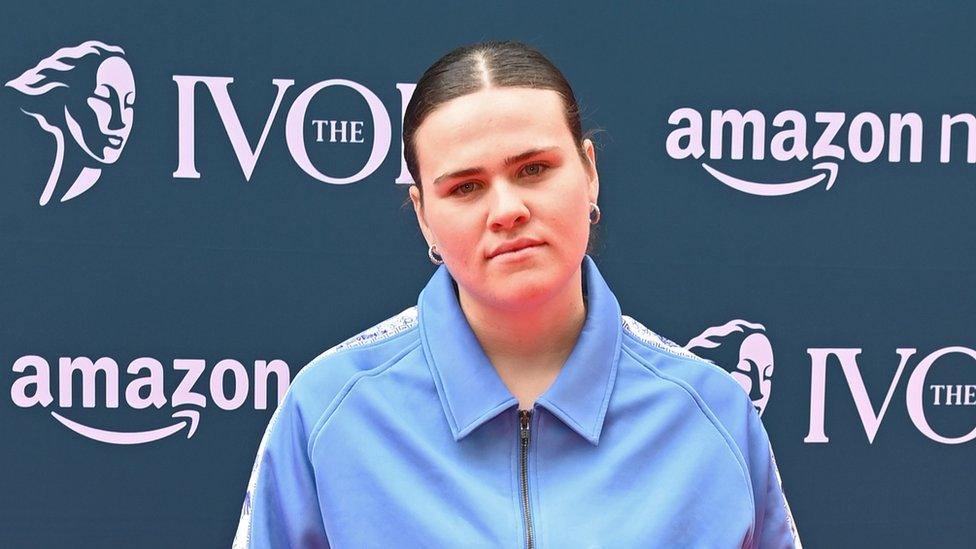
x=790 y=137
x=746 y=346
x=919 y=390
x=89 y=90
x=777 y=189
x=146 y=389
x=140 y=437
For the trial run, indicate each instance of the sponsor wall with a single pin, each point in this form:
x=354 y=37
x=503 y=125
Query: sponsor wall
x=198 y=199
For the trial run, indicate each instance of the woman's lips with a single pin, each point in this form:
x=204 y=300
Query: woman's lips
x=114 y=141
x=519 y=253
x=514 y=245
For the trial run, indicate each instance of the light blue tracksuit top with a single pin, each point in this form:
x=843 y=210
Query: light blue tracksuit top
x=405 y=436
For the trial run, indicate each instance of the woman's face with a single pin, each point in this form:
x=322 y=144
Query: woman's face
x=500 y=170
x=101 y=125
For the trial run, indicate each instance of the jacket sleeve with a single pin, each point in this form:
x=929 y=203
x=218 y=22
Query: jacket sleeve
x=281 y=506
x=774 y=521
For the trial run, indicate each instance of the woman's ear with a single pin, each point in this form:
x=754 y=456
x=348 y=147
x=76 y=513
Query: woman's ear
x=594 y=182
x=418 y=209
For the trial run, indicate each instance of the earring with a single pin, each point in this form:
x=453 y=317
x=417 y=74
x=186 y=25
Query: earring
x=435 y=257
x=594 y=213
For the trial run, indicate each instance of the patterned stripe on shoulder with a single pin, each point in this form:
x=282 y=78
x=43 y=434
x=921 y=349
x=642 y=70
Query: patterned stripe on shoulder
x=644 y=334
x=384 y=330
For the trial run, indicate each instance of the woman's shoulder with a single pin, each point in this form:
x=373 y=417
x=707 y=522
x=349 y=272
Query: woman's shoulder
x=364 y=352
x=712 y=390
x=396 y=325
x=672 y=362
x=644 y=335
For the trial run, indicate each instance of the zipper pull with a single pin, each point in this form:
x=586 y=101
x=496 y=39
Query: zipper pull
x=524 y=416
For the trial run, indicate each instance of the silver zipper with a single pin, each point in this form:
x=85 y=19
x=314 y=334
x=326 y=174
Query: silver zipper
x=525 y=416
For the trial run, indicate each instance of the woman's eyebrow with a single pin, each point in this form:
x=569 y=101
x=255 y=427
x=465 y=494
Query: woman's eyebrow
x=508 y=162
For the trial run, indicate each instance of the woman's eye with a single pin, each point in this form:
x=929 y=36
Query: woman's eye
x=534 y=169
x=465 y=188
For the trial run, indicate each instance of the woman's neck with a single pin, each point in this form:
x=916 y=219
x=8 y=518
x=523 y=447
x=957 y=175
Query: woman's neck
x=528 y=346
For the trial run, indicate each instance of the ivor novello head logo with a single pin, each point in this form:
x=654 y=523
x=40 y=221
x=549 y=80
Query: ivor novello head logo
x=742 y=348
x=933 y=394
x=84 y=96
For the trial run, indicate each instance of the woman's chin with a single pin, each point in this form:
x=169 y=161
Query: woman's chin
x=523 y=290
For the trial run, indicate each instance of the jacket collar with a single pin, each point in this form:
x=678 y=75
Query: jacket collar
x=470 y=389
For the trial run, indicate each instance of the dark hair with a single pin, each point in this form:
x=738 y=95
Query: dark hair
x=468 y=69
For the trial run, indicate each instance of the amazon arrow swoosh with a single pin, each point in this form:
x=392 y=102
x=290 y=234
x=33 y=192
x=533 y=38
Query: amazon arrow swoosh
x=140 y=437
x=777 y=189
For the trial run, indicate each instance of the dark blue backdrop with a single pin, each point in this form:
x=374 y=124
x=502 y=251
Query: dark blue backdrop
x=282 y=266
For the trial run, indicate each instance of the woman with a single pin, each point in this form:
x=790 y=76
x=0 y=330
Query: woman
x=514 y=405
x=89 y=90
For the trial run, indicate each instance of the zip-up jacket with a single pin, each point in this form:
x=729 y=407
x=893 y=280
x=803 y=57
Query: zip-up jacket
x=405 y=436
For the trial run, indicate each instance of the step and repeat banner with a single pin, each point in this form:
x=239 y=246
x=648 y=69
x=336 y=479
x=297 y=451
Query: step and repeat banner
x=199 y=198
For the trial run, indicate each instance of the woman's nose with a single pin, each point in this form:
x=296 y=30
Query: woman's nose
x=508 y=208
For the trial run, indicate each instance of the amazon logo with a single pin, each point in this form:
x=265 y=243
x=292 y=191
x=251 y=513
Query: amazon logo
x=228 y=386
x=790 y=137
